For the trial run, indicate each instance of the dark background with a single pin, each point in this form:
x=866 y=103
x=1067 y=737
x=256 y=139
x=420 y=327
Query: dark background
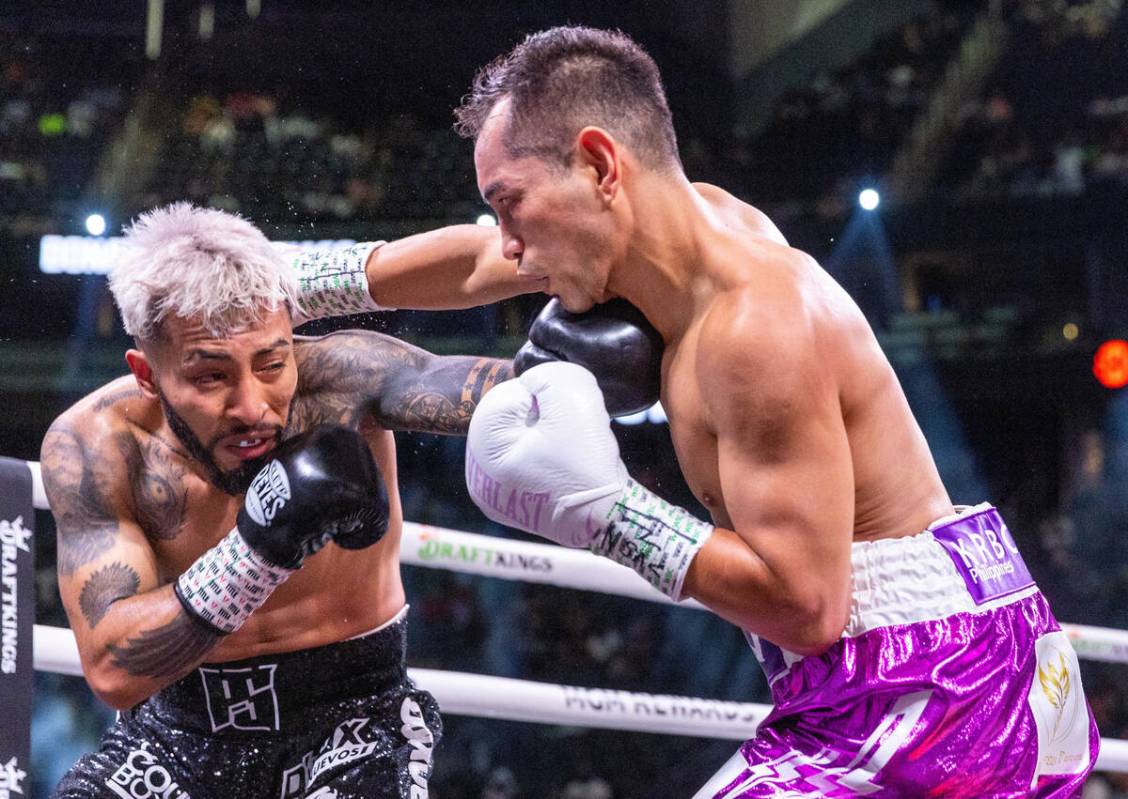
x=996 y=132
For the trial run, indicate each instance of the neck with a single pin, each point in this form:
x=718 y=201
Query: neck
x=660 y=273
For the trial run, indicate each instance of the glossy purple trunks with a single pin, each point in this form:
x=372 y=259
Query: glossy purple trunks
x=953 y=679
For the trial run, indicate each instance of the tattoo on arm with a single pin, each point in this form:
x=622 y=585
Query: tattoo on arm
x=345 y=375
x=74 y=478
x=442 y=397
x=104 y=587
x=166 y=651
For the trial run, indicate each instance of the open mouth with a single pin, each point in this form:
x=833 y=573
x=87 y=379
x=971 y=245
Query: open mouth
x=250 y=447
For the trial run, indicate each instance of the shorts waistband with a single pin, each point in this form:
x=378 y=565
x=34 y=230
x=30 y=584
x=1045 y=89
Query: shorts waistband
x=965 y=562
x=272 y=693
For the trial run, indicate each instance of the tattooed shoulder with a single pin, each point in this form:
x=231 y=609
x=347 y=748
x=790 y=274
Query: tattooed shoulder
x=79 y=481
x=339 y=374
x=349 y=361
x=114 y=397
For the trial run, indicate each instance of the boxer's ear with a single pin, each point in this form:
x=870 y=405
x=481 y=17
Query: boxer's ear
x=142 y=372
x=598 y=149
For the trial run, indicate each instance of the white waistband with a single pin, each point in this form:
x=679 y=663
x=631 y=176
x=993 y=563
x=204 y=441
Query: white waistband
x=400 y=614
x=912 y=579
x=900 y=581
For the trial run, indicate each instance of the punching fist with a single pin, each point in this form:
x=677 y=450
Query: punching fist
x=540 y=455
x=613 y=341
x=321 y=485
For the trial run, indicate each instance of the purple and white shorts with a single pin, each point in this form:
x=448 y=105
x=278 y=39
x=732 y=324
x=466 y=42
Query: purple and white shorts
x=952 y=679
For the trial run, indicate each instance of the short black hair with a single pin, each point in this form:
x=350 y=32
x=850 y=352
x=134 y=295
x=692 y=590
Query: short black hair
x=563 y=79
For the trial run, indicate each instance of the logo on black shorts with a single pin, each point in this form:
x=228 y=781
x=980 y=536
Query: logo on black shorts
x=422 y=742
x=142 y=777
x=10 y=778
x=242 y=699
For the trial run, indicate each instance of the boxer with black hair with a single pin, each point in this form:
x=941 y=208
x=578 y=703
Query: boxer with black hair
x=876 y=606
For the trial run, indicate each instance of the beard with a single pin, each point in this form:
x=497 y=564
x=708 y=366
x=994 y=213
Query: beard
x=233 y=481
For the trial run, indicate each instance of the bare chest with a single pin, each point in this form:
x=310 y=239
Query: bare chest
x=693 y=439
x=180 y=512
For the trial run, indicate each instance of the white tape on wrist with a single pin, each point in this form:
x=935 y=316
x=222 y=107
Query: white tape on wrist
x=655 y=538
x=228 y=583
x=334 y=282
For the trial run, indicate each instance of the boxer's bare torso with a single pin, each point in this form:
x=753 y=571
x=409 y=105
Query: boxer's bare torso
x=756 y=282
x=136 y=509
x=787 y=419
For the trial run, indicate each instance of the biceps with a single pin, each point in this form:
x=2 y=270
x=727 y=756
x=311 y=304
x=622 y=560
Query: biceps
x=792 y=501
x=116 y=563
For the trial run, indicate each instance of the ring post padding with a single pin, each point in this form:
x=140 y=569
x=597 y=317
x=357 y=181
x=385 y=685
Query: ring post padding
x=17 y=617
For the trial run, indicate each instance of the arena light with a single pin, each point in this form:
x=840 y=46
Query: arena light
x=486 y=220
x=869 y=199
x=95 y=224
x=1110 y=363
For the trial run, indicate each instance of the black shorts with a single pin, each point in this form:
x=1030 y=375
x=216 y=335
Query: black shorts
x=337 y=722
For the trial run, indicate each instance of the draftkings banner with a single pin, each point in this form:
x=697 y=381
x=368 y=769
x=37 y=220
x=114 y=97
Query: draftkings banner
x=17 y=615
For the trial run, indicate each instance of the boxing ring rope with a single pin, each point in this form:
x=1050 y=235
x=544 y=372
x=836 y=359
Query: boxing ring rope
x=55 y=649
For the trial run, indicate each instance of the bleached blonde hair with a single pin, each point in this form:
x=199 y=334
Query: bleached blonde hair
x=199 y=262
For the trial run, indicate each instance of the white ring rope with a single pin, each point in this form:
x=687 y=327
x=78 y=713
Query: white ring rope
x=55 y=649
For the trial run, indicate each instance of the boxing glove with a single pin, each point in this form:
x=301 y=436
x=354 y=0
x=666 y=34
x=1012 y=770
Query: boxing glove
x=321 y=485
x=541 y=457
x=613 y=341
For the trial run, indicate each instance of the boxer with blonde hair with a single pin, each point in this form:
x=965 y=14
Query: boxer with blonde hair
x=228 y=514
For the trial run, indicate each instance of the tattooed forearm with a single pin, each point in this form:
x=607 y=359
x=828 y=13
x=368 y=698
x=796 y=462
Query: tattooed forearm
x=345 y=375
x=104 y=587
x=442 y=397
x=75 y=484
x=167 y=651
x=156 y=484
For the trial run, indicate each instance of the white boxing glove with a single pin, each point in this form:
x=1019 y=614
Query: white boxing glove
x=541 y=457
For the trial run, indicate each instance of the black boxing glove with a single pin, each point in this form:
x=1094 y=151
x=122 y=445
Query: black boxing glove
x=613 y=341
x=320 y=486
